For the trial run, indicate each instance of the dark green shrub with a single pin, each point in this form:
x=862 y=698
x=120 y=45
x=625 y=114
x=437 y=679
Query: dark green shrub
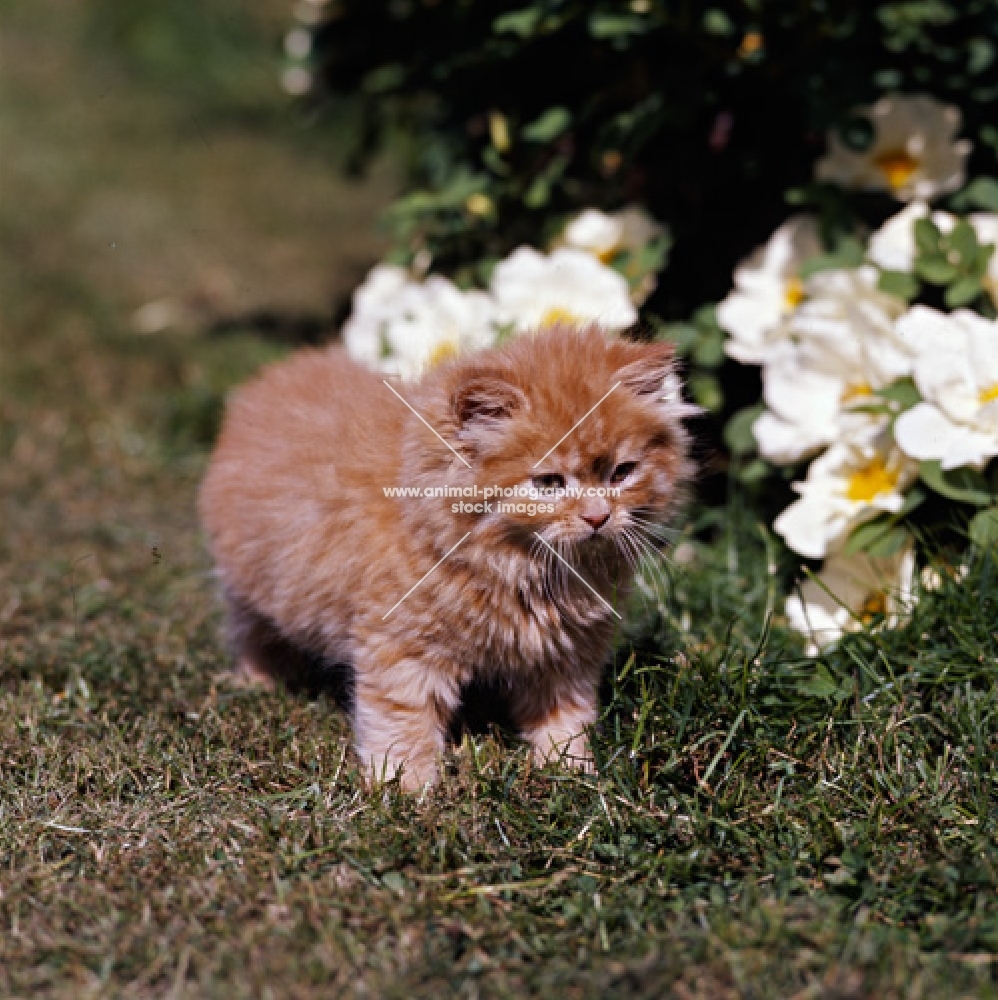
x=517 y=115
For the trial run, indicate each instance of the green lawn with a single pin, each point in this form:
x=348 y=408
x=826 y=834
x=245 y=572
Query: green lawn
x=762 y=825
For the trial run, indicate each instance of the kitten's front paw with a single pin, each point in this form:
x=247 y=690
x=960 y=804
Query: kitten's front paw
x=400 y=720
x=571 y=750
x=556 y=724
x=414 y=775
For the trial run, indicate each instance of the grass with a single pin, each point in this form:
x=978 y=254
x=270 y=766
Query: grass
x=762 y=825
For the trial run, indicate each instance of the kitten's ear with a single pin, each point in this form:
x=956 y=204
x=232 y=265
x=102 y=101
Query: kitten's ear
x=486 y=400
x=647 y=376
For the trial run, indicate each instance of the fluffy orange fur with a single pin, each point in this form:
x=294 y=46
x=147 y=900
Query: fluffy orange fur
x=313 y=555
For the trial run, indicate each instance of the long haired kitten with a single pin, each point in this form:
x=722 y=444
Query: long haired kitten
x=579 y=434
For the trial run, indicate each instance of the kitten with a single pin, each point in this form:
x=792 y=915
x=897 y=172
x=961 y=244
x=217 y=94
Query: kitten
x=416 y=593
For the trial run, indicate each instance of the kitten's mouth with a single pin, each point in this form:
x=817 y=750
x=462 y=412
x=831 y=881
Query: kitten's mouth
x=594 y=541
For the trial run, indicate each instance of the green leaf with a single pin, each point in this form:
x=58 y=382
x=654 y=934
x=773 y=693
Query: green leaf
x=549 y=126
x=981 y=192
x=755 y=472
x=683 y=335
x=900 y=284
x=926 y=235
x=492 y=158
x=706 y=316
x=981 y=54
x=820 y=685
x=984 y=255
x=384 y=79
x=847 y=252
x=652 y=257
x=518 y=22
x=861 y=536
x=452 y=196
x=539 y=192
x=616 y=26
x=903 y=392
x=706 y=391
x=709 y=349
x=879 y=538
x=717 y=22
x=738 y=434
x=963 y=240
x=914 y=498
x=962 y=292
x=984 y=528
x=889 y=543
x=876 y=409
x=935 y=268
x=962 y=485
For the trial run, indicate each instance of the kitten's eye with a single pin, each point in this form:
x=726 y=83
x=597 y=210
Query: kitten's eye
x=622 y=472
x=549 y=481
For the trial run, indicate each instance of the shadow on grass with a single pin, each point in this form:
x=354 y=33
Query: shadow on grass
x=283 y=327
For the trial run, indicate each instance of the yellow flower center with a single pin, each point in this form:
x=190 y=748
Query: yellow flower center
x=444 y=351
x=752 y=42
x=870 y=481
x=989 y=395
x=897 y=166
x=499 y=131
x=856 y=390
x=557 y=315
x=793 y=293
x=875 y=604
x=478 y=204
x=606 y=256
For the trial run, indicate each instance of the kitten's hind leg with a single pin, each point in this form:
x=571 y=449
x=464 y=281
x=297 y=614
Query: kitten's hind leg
x=265 y=657
x=249 y=636
x=247 y=673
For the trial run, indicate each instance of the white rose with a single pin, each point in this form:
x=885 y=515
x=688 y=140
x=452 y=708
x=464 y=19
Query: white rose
x=850 y=483
x=913 y=154
x=768 y=289
x=533 y=290
x=956 y=372
x=847 y=592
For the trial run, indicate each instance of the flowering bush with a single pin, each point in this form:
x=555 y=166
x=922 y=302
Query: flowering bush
x=866 y=321
x=401 y=324
x=883 y=369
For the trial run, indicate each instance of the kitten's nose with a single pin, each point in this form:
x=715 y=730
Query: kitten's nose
x=595 y=511
x=596 y=521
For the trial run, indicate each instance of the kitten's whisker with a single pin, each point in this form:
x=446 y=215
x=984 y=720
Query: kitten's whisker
x=593 y=590
x=649 y=587
x=637 y=558
x=655 y=527
x=657 y=534
x=653 y=569
x=638 y=555
x=551 y=570
x=560 y=562
x=552 y=575
x=628 y=550
x=652 y=540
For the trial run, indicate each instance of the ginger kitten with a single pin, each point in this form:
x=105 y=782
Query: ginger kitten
x=417 y=593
